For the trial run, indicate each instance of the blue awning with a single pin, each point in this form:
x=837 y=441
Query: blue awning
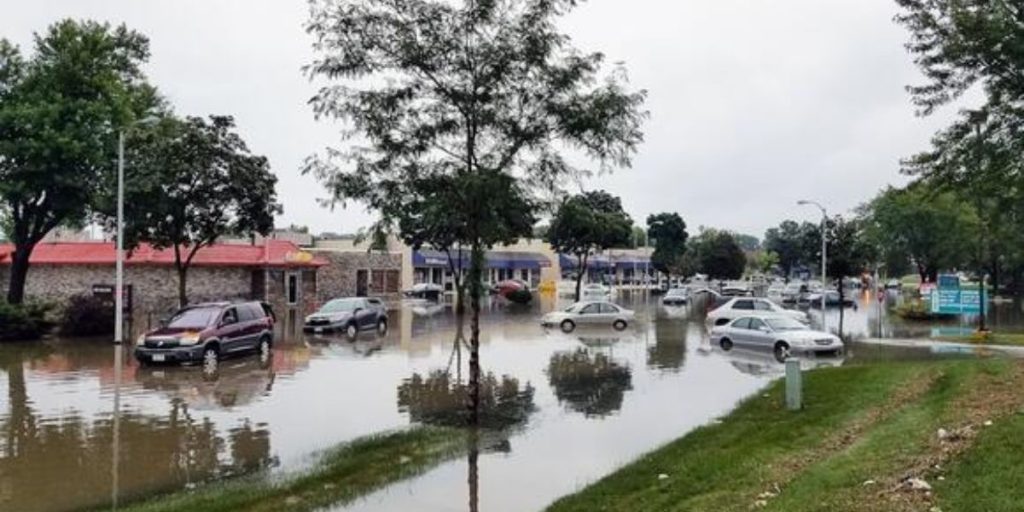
x=601 y=262
x=493 y=259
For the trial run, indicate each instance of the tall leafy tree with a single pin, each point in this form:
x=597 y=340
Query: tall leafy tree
x=485 y=92
x=587 y=223
x=60 y=109
x=748 y=243
x=668 y=231
x=849 y=254
x=961 y=45
x=190 y=182
x=794 y=243
x=930 y=228
x=717 y=254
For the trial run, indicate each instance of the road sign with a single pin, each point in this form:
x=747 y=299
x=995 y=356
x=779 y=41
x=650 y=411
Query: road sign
x=949 y=298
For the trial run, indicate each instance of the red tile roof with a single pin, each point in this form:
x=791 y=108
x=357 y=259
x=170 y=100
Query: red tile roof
x=274 y=253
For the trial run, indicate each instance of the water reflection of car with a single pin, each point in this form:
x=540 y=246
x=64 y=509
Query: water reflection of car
x=764 y=363
x=676 y=297
x=589 y=313
x=349 y=315
x=743 y=306
x=208 y=332
x=232 y=383
x=782 y=335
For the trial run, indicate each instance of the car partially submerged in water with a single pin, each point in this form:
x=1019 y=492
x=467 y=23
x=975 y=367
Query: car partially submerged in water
x=208 y=332
x=349 y=315
x=783 y=335
x=590 y=313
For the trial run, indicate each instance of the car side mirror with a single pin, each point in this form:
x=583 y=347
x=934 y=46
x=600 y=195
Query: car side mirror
x=765 y=330
x=357 y=311
x=163 y=322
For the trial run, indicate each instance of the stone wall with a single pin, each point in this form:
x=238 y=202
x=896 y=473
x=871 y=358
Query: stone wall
x=154 y=288
x=338 y=278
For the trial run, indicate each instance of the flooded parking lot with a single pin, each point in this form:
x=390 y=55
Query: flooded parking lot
x=84 y=426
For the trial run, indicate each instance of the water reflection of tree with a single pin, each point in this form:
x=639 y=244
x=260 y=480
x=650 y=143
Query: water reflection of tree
x=669 y=349
x=437 y=399
x=591 y=383
x=66 y=464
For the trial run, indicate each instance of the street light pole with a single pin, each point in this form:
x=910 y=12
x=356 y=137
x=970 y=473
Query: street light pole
x=119 y=262
x=824 y=255
x=119 y=266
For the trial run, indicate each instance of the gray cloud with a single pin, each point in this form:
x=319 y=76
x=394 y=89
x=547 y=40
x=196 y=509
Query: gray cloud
x=754 y=104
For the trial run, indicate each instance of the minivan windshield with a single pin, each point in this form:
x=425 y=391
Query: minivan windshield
x=340 y=306
x=194 y=318
x=785 y=324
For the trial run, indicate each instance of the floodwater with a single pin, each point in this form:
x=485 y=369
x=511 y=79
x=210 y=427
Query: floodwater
x=83 y=426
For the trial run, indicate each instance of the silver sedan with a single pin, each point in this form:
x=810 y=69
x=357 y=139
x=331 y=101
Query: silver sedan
x=781 y=334
x=595 y=313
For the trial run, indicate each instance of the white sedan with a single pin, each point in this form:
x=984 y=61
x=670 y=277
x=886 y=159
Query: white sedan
x=743 y=306
x=781 y=334
x=590 y=313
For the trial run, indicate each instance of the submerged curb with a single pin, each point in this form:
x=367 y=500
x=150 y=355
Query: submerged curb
x=949 y=346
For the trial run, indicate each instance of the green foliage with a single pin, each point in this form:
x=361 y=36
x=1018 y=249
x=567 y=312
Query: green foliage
x=749 y=243
x=60 y=109
x=849 y=253
x=639 y=238
x=716 y=254
x=189 y=182
x=668 y=232
x=589 y=222
x=764 y=262
x=472 y=99
x=960 y=45
x=23 y=322
x=794 y=243
x=86 y=315
x=932 y=229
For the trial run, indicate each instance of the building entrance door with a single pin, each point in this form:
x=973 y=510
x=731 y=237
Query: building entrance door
x=362 y=282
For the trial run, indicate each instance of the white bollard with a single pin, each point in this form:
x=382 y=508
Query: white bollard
x=794 y=385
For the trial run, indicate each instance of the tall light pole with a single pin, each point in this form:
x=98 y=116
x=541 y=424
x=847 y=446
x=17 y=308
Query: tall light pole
x=119 y=265
x=824 y=255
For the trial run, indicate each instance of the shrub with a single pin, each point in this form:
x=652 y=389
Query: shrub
x=86 y=315
x=918 y=310
x=521 y=296
x=22 y=322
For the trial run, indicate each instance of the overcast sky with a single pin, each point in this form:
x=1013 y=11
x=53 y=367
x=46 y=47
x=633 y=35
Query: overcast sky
x=754 y=104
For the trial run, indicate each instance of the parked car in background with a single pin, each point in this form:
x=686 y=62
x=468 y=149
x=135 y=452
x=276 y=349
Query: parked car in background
x=208 y=332
x=893 y=284
x=783 y=335
x=509 y=285
x=595 y=291
x=791 y=292
x=349 y=315
x=743 y=306
x=425 y=291
x=590 y=313
x=676 y=297
x=832 y=300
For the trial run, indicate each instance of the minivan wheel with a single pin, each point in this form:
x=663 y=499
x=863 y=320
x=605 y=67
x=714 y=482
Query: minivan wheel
x=351 y=331
x=619 y=325
x=726 y=344
x=781 y=351
x=211 y=359
x=382 y=327
x=568 y=326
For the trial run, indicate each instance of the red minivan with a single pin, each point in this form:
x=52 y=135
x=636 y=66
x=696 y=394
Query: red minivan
x=208 y=332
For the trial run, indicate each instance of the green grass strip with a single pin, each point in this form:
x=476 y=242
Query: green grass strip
x=352 y=470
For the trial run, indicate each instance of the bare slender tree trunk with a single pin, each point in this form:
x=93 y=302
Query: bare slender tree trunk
x=475 y=274
x=182 y=281
x=474 y=470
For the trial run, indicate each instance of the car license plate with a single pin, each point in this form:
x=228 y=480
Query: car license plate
x=318 y=330
x=158 y=358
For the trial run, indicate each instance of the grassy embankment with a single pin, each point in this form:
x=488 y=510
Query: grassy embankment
x=864 y=431
x=343 y=474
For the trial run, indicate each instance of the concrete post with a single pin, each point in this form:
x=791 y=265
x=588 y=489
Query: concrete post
x=794 y=385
